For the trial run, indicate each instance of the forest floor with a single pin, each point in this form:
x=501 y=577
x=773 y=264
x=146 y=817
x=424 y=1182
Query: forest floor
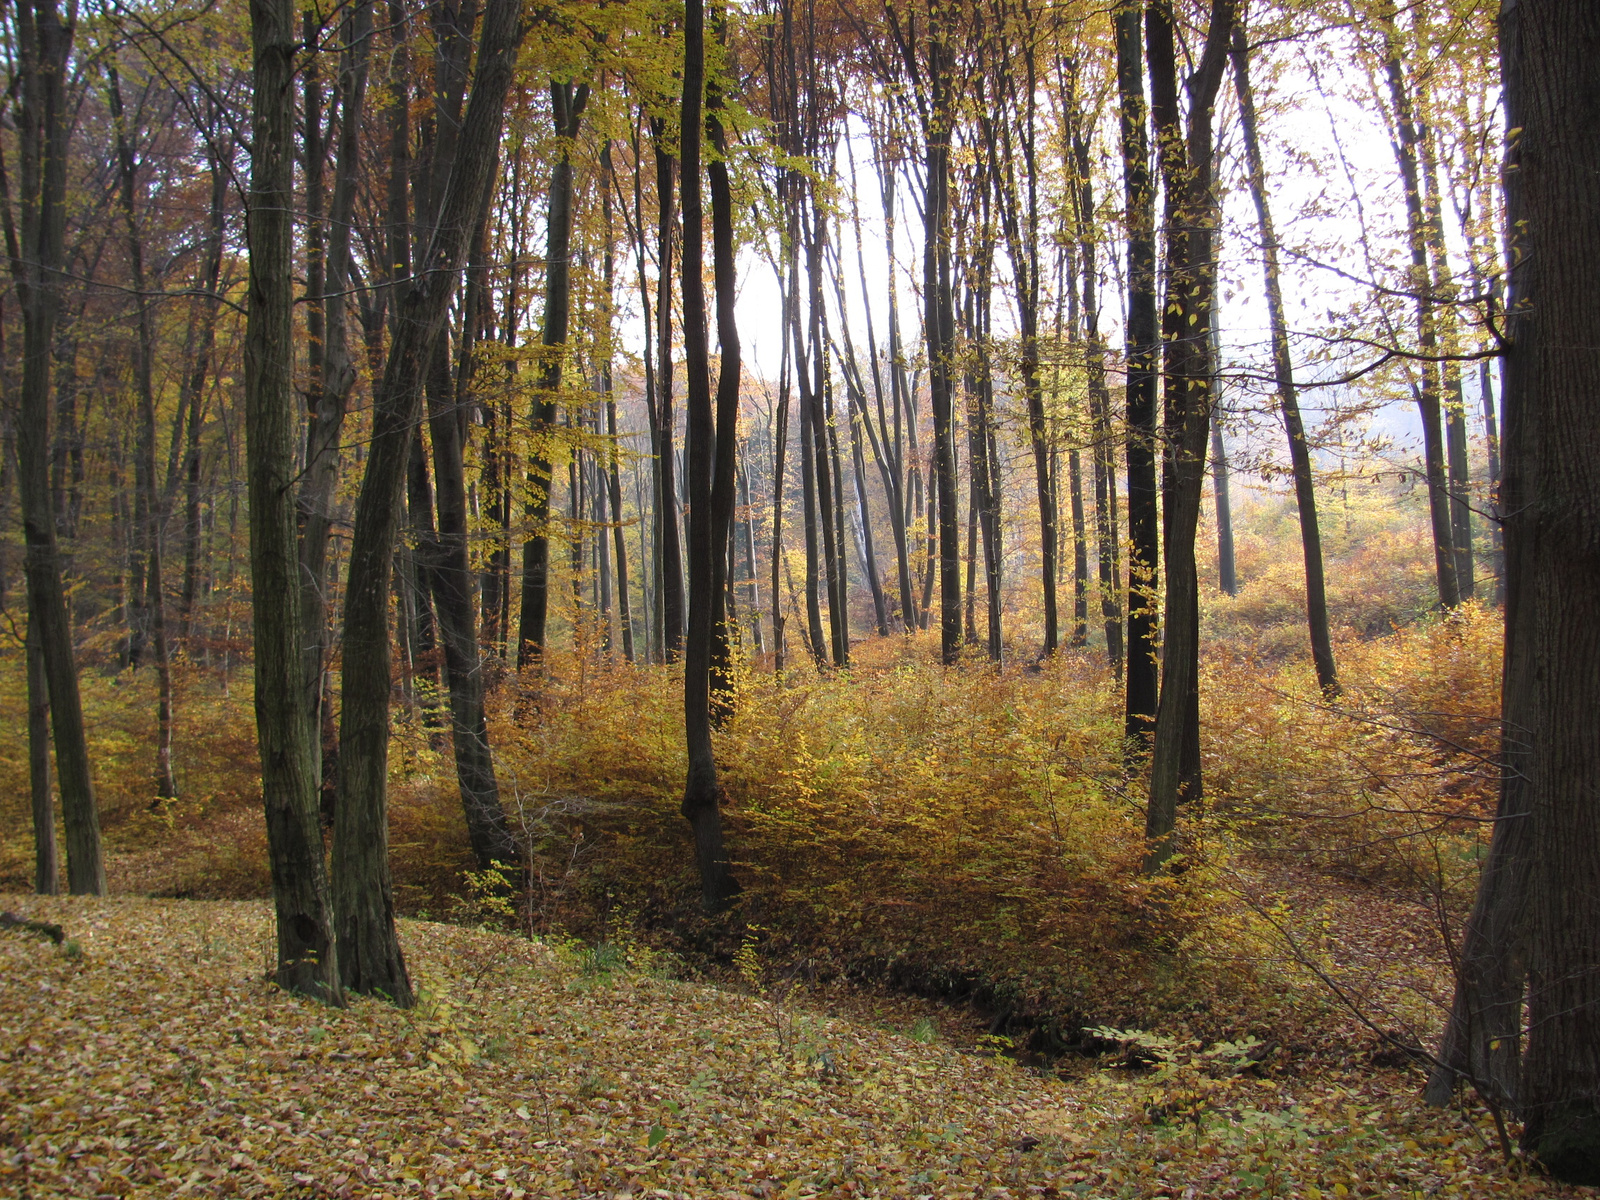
x=148 y=1056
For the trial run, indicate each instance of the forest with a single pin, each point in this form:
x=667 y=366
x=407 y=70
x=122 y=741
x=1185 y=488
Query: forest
x=800 y=598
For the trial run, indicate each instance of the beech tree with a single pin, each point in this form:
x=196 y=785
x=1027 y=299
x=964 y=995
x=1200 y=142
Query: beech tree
x=307 y=958
x=1533 y=937
x=709 y=451
x=44 y=42
x=1185 y=149
x=371 y=959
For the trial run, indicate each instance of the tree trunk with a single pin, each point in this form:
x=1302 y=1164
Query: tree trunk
x=939 y=331
x=46 y=870
x=1427 y=392
x=1142 y=340
x=370 y=954
x=334 y=374
x=1227 y=575
x=306 y=956
x=1283 y=376
x=1108 y=535
x=1547 y=844
x=208 y=280
x=1193 y=211
x=451 y=577
x=147 y=599
x=568 y=101
x=669 y=578
x=704 y=470
x=43 y=46
x=612 y=469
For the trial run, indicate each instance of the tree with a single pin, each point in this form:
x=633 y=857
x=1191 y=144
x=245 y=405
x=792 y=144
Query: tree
x=1142 y=337
x=709 y=456
x=44 y=43
x=567 y=100
x=370 y=955
x=1192 y=213
x=1283 y=376
x=307 y=961
x=1536 y=923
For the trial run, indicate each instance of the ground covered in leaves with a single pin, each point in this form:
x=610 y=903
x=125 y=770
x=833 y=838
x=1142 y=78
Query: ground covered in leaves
x=148 y=1056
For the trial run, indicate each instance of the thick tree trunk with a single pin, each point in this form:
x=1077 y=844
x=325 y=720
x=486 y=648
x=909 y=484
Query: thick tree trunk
x=46 y=869
x=1193 y=211
x=1142 y=334
x=702 y=793
x=370 y=955
x=725 y=463
x=306 y=956
x=43 y=46
x=1551 y=497
x=1283 y=376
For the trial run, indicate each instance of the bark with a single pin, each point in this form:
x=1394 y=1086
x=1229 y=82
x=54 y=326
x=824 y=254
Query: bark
x=1108 y=538
x=46 y=868
x=939 y=328
x=333 y=368
x=702 y=793
x=1491 y=438
x=1545 y=854
x=1443 y=287
x=1019 y=220
x=779 y=453
x=613 y=472
x=208 y=279
x=869 y=559
x=1080 y=551
x=1227 y=574
x=749 y=524
x=1283 y=378
x=369 y=951
x=451 y=578
x=568 y=100
x=824 y=448
x=809 y=481
x=43 y=46
x=1406 y=139
x=1192 y=215
x=1142 y=337
x=901 y=401
x=725 y=462
x=306 y=959
x=148 y=598
x=669 y=577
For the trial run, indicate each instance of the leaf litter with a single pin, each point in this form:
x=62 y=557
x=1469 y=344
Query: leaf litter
x=148 y=1055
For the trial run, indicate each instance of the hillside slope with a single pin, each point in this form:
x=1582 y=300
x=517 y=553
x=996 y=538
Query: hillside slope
x=147 y=1057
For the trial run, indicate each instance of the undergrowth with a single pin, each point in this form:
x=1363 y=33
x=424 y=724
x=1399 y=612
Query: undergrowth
x=968 y=832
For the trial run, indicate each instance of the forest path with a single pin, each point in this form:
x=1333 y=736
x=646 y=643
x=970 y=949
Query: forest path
x=148 y=1057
